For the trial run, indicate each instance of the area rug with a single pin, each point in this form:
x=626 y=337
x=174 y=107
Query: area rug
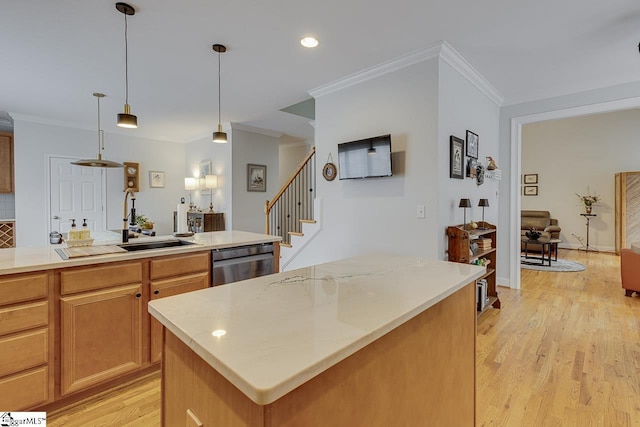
x=560 y=265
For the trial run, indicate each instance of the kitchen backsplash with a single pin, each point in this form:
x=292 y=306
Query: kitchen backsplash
x=7 y=206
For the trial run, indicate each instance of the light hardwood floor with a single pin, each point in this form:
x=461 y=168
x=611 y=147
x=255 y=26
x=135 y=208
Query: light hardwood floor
x=562 y=351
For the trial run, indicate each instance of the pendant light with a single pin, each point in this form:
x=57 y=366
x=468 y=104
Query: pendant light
x=126 y=119
x=99 y=162
x=219 y=136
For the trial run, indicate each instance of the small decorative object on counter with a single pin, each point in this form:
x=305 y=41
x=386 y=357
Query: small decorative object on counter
x=75 y=236
x=533 y=234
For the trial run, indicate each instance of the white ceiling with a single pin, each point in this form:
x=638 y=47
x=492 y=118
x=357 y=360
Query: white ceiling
x=57 y=53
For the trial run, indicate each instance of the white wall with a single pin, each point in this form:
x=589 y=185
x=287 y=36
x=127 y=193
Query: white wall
x=379 y=214
x=220 y=155
x=34 y=142
x=291 y=155
x=248 y=206
x=596 y=147
x=462 y=107
x=598 y=99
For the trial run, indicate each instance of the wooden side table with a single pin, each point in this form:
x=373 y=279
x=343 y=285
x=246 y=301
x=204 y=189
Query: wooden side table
x=200 y=222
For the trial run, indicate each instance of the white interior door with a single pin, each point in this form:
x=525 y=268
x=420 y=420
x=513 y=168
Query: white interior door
x=76 y=193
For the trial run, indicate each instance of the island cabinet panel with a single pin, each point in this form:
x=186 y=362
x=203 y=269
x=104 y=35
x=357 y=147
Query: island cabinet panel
x=32 y=346
x=166 y=288
x=23 y=287
x=101 y=336
x=420 y=374
x=24 y=316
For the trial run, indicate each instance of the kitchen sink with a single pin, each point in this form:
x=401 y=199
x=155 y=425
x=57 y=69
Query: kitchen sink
x=143 y=246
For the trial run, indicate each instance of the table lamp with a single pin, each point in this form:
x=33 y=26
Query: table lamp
x=483 y=203
x=211 y=182
x=190 y=184
x=465 y=203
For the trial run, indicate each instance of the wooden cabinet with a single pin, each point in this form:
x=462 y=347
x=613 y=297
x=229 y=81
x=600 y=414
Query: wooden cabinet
x=26 y=344
x=101 y=330
x=627 y=223
x=174 y=276
x=6 y=163
x=462 y=241
x=200 y=222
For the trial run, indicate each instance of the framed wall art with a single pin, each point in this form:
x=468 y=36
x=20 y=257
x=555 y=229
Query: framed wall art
x=156 y=179
x=531 y=190
x=256 y=177
x=456 y=160
x=472 y=144
x=531 y=178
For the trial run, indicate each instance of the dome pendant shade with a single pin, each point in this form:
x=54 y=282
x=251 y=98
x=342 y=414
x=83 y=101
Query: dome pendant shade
x=126 y=119
x=219 y=136
x=99 y=162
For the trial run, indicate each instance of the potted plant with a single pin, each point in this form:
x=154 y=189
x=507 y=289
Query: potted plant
x=588 y=201
x=144 y=222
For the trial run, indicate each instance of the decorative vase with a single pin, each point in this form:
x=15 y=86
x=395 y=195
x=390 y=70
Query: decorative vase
x=588 y=209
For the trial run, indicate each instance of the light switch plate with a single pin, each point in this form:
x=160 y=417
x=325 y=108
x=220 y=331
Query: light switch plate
x=420 y=211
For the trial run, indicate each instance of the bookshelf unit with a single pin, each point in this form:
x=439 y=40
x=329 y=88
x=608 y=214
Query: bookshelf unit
x=460 y=251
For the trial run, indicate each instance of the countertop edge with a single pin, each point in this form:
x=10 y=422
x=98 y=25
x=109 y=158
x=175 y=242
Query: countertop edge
x=55 y=263
x=263 y=396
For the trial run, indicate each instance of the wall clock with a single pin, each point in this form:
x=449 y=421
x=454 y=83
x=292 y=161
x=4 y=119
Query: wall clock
x=329 y=170
x=131 y=176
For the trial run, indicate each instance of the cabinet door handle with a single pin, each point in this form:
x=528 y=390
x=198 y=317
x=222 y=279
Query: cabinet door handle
x=156 y=292
x=138 y=295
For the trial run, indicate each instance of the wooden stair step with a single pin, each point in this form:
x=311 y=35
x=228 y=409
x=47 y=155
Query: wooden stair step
x=295 y=233
x=285 y=245
x=307 y=221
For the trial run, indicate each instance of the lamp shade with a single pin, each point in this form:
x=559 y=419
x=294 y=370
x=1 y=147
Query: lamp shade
x=210 y=181
x=464 y=203
x=190 y=184
x=483 y=203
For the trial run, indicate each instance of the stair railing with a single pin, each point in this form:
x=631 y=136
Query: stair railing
x=293 y=202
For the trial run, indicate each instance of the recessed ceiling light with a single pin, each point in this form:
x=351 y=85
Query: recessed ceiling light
x=309 y=42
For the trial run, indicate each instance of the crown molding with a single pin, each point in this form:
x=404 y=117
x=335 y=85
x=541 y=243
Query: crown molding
x=247 y=128
x=73 y=125
x=387 y=67
x=451 y=56
x=441 y=49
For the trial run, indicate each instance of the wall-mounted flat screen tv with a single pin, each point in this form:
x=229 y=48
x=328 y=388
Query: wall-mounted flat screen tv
x=366 y=158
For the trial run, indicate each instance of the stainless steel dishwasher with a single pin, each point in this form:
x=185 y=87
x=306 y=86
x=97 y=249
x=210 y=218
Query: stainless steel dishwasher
x=240 y=263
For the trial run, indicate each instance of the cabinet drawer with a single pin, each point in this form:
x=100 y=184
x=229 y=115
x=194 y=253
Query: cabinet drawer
x=24 y=287
x=24 y=351
x=99 y=277
x=179 y=265
x=25 y=390
x=23 y=317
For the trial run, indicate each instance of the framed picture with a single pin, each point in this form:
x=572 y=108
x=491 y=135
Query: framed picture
x=472 y=165
x=205 y=169
x=531 y=178
x=472 y=144
x=531 y=190
x=156 y=179
x=456 y=160
x=256 y=177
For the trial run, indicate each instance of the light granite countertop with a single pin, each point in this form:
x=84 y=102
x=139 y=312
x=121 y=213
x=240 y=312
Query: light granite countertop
x=26 y=259
x=271 y=334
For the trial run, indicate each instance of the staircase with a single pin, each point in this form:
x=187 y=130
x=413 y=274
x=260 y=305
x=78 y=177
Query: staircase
x=290 y=214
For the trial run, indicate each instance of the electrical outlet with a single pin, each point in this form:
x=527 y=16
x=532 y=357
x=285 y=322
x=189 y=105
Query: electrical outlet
x=420 y=211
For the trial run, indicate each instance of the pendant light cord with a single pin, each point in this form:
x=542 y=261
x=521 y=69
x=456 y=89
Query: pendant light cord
x=99 y=138
x=126 y=61
x=219 y=94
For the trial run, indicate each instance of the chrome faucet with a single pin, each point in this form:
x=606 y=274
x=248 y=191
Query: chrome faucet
x=125 y=226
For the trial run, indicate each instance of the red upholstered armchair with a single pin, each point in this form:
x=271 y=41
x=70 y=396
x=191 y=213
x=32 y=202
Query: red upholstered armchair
x=630 y=271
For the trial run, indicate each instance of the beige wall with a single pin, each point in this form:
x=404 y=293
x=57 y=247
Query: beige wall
x=580 y=155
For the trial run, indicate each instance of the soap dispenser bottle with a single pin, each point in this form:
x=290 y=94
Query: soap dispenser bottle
x=73 y=233
x=85 y=233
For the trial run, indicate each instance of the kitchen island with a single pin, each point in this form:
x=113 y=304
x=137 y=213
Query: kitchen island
x=371 y=340
x=72 y=328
